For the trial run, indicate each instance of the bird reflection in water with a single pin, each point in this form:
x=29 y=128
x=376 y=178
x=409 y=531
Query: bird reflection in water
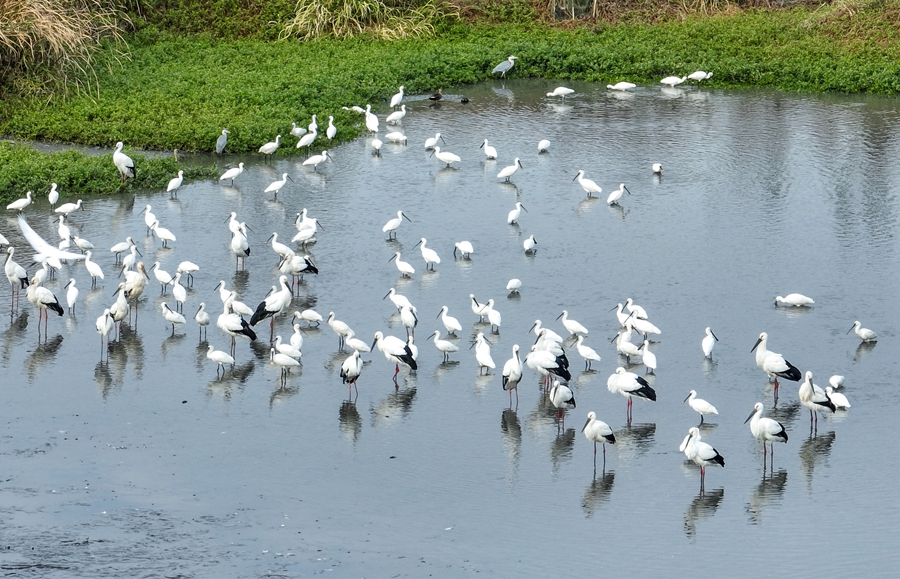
x=282 y=393
x=561 y=448
x=119 y=353
x=42 y=354
x=13 y=335
x=635 y=439
x=224 y=384
x=771 y=489
x=103 y=379
x=170 y=343
x=863 y=349
x=512 y=435
x=585 y=205
x=815 y=448
x=350 y=421
x=394 y=407
x=702 y=507
x=598 y=492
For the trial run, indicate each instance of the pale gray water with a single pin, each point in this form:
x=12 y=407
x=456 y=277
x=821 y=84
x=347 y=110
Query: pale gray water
x=150 y=466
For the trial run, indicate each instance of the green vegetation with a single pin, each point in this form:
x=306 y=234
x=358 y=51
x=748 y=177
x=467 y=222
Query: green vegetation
x=24 y=169
x=198 y=66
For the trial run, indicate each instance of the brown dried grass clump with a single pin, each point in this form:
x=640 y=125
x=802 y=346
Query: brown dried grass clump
x=384 y=19
x=49 y=45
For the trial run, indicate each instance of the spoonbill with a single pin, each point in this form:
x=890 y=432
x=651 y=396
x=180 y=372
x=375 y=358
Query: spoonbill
x=505 y=66
x=513 y=216
x=340 y=328
x=445 y=156
x=67 y=208
x=708 y=342
x=530 y=245
x=393 y=225
x=172 y=316
x=53 y=195
x=399 y=300
x=307 y=140
x=701 y=453
x=188 y=268
x=623 y=85
x=297 y=131
x=864 y=334
x=483 y=354
x=71 y=295
x=175 y=183
x=276 y=186
x=699 y=405
x=104 y=325
x=444 y=346
x=232 y=173
x=405 y=269
x=543 y=146
x=93 y=269
x=699 y=75
x=429 y=255
x=598 y=431
x=315 y=160
x=560 y=91
x=489 y=151
x=589 y=186
x=508 y=171
x=513 y=285
x=794 y=300
x=309 y=316
x=397 y=98
x=586 y=352
x=371 y=120
x=673 y=80
x=648 y=357
x=376 y=145
x=657 y=168
x=465 y=249
x=450 y=323
x=123 y=163
x=573 y=327
x=161 y=232
x=220 y=358
x=397 y=116
x=614 y=197
x=331 y=130
x=202 y=319
x=284 y=361
x=432 y=141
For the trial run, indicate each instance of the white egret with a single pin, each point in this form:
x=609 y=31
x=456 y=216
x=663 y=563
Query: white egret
x=614 y=197
x=405 y=269
x=543 y=146
x=489 y=151
x=393 y=225
x=444 y=346
x=172 y=316
x=19 y=204
x=465 y=249
x=123 y=163
x=774 y=364
x=505 y=66
x=765 y=429
x=232 y=173
x=269 y=148
x=429 y=255
x=708 y=342
x=222 y=141
x=483 y=354
x=445 y=156
x=512 y=374
x=331 y=130
x=530 y=244
x=397 y=116
x=598 y=431
x=700 y=453
x=161 y=232
x=589 y=354
x=276 y=186
x=432 y=141
x=315 y=160
x=589 y=186
x=53 y=195
x=509 y=170
x=629 y=385
x=622 y=85
x=864 y=334
x=699 y=405
x=397 y=98
x=220 y=358
x=175 y=183
x=71 y=295
x=794 y=300
x=673 y=81
x=560 y=91
x=814 y=398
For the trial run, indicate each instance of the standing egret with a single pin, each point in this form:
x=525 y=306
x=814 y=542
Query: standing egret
x=429 y=255
x=508 y=171
x=588 y=353
x=672 y=81
x=432 y=141
x=222 y=141
x=202 y=319
x=331 y=131
x=589 y=186
x=123 y=163
x=297 y=131
x=708 y=342
x=814 y=398
x=307 y=140
x=350 y=371
x=700 y=453
x=67 y=208
x=450 y=323
x=161 y=232
x=574 y=328
x=232 y=173
x=397 y=98
x=765 y=429
x=622 y=85
x=71 y=295
x=19 y=204
x=614 y=197
x=483 y=354
x=864 y=334
x=397 y=116
x=839 y=400
x=543 y=146
x=657 y=168
x=700 y=75
x=220 y=358
x=175 y=183
x=53 y=196
x=598 y=431
x=513 y=216
x=405 y=269
x=512 y=374
x=489 y=151
x=393 y=225
x=315 y=160
x=93 y=269
x=530 y=245
x=774 y=364
x=276 y=186
x=629 y=385
x=794 y=300
x=560 y=91
x=505 y=66
x=465 y=249
x=699 y=405
x=172 y=316
x=444 y=346
x=269 y=148
x=445 y=156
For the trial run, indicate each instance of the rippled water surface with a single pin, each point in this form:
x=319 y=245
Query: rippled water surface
x=150 y=465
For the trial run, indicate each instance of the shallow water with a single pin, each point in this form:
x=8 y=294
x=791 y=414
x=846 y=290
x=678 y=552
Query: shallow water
x=150 y=465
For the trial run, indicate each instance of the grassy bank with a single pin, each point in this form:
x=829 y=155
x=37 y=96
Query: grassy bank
x=180 y=90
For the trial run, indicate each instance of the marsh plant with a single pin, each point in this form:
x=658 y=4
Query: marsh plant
x=381 y=19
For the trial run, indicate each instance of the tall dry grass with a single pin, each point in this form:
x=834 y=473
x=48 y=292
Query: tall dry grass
x=383 y=19
x=49 y=45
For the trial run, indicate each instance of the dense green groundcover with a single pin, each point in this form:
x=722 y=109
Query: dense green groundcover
x=180 y=91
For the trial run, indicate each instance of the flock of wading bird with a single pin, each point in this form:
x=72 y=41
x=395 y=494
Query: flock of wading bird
x=547 y=356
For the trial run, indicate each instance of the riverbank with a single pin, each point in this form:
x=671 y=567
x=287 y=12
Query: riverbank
x=178 y=92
